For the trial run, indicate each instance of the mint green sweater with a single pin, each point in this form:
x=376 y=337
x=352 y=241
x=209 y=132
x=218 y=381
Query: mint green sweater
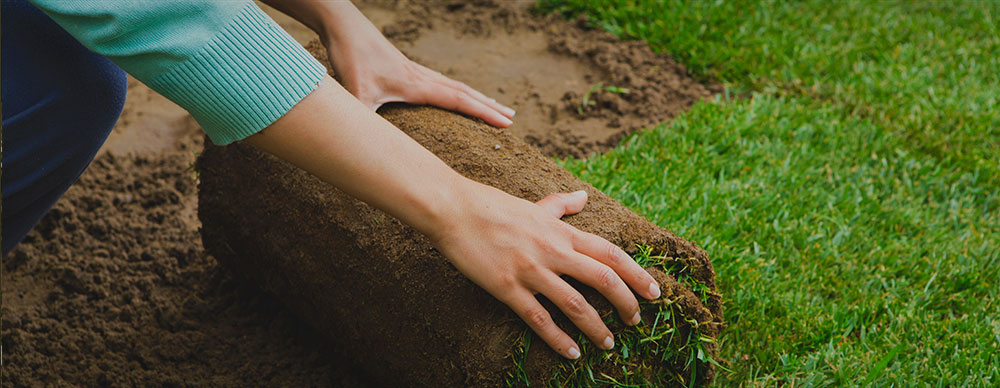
x=224 y=61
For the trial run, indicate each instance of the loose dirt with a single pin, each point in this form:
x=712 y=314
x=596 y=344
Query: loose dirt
x=113 y=288
x=544 y=67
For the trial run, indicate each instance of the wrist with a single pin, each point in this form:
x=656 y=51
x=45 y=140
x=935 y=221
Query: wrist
x=322 y=17
x=337 y=21
x=446 y=213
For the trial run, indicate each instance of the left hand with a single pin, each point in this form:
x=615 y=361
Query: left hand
x=376 y=72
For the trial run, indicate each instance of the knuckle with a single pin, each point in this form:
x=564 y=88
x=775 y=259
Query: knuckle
x=565 y=228
x=422 y=78
x=552 y=250
x=606 y=278
x=641 y=273
x=528 y=266
x=611 y=252
x=536 y=317
x=506 y=281
x=561 y=234
x=575 y=305
x=453 y=97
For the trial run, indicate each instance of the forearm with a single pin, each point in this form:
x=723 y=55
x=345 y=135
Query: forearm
x=333 y=136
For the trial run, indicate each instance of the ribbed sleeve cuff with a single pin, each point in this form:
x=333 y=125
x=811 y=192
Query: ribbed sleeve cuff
x=244 y=79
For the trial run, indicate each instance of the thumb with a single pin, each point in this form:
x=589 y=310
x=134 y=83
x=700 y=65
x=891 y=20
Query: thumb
x=561 y=204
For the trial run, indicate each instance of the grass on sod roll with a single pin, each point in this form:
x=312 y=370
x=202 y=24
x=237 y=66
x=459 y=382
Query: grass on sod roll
x=851 y=205
x=640 y=351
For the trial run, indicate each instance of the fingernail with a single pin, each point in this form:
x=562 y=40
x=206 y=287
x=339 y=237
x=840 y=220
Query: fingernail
x=654 y=290
x=635 y=319
x=609 y=342
x=506 y=121
x=579 y=193
x=507 y=111
x=574 y=353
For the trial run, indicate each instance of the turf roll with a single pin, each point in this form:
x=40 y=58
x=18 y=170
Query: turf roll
x=380 y=291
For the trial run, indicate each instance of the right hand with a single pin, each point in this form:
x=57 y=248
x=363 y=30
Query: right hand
x=515 y=249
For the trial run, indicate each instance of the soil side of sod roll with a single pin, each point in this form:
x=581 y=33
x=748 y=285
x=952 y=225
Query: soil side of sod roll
x=379 y=290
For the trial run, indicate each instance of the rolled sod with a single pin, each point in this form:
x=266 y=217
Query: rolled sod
x=380 y=291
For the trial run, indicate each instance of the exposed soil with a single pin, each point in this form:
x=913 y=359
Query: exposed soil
x=113 y=288
x=543 y=67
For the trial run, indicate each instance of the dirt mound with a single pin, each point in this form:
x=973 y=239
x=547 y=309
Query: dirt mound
x=113 y=288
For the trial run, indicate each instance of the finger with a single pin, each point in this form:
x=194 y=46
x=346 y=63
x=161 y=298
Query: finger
x=539 y=320
x=459 y=101
x=606 y=281
x=616 y=258
x=492 y=103
x=583 y=315
x=561 y=204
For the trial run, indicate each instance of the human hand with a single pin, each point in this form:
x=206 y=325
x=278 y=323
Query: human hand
x=515 y=249
x=512 y=248
x=375 y=72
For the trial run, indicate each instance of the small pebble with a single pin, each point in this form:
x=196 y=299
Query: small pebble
x=496 y=147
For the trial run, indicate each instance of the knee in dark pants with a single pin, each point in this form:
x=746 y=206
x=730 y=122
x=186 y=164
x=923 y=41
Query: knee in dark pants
x=60 y=102
x=97 y=98
x=48 y=146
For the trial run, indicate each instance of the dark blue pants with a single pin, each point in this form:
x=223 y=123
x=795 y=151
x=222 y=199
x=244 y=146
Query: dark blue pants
x=60 y=102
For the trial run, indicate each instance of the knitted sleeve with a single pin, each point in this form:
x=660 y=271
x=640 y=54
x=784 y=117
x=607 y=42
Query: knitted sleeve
x=226 y=62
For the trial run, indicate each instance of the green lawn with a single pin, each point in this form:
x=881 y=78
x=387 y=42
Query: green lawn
x=851 y=205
